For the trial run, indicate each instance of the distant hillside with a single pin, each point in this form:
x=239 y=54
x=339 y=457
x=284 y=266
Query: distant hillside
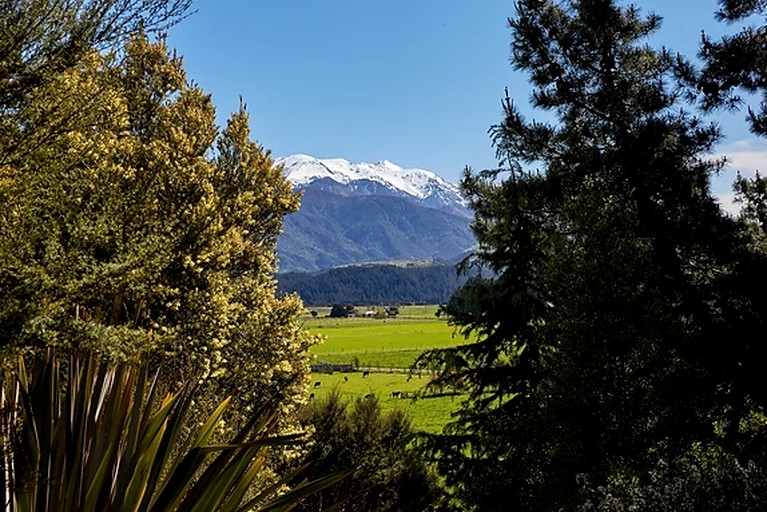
x=357 y=213
x=373 y=284
x=332 y=230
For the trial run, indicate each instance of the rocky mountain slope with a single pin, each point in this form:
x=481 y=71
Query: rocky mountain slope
x=354 y=213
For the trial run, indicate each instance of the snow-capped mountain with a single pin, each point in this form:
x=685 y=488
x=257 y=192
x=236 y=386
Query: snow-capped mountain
x=356 y=213
x=382 y=178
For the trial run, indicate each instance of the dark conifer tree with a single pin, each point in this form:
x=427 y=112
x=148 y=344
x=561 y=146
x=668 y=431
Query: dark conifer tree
x=616 y=310
x=737 y=63
x=733 y=76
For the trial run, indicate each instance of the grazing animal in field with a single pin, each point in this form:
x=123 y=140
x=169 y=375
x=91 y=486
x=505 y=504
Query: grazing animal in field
x=365 y=374
x=317 y=384
x=396 y=394
x=346 y=379
x=311 y=397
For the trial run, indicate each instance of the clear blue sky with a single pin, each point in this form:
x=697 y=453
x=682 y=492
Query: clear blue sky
x=416 y=82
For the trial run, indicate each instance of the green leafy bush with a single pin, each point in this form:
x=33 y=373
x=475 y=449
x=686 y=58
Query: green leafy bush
x=86 y=435
x=387 y=473
x=717 y=483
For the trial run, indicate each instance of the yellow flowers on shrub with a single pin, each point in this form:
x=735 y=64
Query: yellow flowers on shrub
x=139 y=226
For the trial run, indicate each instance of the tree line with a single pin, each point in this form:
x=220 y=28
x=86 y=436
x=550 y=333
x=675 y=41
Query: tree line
x=375 y=284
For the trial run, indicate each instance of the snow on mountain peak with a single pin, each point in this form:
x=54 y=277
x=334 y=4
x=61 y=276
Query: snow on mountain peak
x=419 y=183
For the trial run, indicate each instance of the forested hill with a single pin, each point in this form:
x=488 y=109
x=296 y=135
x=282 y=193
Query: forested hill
x=373 y=284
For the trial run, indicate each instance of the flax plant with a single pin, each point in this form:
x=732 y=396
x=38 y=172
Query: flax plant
x=82 y=434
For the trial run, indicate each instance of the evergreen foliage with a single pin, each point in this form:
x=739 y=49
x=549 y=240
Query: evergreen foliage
x=697 y=482
x=387 y=473
x=737 y=63
x=617 y=306
x=373 y=284
x=734 y=65
x=342 y=311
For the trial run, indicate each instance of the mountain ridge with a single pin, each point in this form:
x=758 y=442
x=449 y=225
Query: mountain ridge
x=303 y=169
x=425 y=187
x=358 y=213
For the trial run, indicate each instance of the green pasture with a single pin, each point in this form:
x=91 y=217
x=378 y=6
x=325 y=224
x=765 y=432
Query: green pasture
x=391 y=342
x=418 y=312
x=427 y=414
x=384 y=343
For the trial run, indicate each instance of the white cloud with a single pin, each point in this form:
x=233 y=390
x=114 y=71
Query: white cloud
x=745 y=156
x=728 y=204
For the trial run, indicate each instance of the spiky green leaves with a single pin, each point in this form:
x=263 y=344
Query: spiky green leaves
x=86 y=435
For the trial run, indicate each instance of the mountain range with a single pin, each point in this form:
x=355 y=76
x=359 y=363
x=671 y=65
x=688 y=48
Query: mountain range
x=358 y=213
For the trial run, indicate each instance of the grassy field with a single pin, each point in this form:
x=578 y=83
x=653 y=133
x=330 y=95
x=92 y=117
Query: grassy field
x=390 y=342
x=426 y=414
x=384 y=343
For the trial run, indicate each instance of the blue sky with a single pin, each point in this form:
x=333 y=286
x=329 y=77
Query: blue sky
x=416 y=82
